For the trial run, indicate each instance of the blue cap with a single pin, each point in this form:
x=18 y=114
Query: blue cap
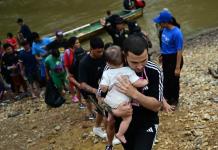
x=164 y=16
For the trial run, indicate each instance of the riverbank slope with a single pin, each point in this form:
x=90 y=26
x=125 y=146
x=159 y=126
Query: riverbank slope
x=29 y=124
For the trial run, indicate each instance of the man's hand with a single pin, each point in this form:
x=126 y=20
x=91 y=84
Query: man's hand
x=102 y=22
x=177 y=72
x=125 y=86
x=68 y=76
x=100 y=100
x=166 y=107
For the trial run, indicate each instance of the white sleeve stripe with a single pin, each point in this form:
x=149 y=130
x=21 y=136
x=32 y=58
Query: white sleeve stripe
x=155 y=67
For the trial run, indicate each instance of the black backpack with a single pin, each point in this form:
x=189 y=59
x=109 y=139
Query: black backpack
x=78 y=55
x=53 y=97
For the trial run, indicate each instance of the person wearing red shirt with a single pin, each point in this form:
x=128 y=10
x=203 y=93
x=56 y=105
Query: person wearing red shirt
x=12 y=41
x=72 y=75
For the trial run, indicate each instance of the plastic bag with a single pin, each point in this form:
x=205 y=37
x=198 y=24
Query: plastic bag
x=53 y=97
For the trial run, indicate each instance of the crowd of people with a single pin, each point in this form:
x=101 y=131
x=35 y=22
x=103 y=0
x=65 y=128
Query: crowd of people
x=117 y=80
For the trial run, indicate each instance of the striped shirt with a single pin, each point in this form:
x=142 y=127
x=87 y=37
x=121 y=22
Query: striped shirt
x=153 y=69
x=141 y=115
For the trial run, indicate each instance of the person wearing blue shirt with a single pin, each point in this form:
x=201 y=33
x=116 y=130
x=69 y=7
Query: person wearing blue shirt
x=39 y=44
x=40 y=52
x=171 y=48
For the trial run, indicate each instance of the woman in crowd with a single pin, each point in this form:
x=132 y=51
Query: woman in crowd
x=72 y=69
x=171 y=48
x=55 y=70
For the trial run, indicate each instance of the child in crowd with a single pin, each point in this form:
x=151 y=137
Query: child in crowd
x=114 y=97
x=12 y=40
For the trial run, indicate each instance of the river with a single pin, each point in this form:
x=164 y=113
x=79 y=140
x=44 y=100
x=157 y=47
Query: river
x=47 y=16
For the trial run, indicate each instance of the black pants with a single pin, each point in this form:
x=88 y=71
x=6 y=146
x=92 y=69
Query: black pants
x=139 y=137
x=171 y=82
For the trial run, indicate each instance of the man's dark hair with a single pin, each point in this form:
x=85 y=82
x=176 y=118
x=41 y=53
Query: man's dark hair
x=25 y=42
x=6 y=45
x=133 y=27
x=108 y=12
x=35 y=35
x=96 y=42
x=19 y=20
x=107 y=45
x=55 y=52
x=71 y=41
x=9 y=34
x=135 y=44
x=113 y=55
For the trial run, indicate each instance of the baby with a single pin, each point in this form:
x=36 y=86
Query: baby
x=108 y=83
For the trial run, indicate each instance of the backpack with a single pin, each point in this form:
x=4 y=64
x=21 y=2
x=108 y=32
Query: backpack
x=53 y=97
x=78 y=55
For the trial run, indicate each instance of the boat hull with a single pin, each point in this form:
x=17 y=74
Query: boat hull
x=87 y=31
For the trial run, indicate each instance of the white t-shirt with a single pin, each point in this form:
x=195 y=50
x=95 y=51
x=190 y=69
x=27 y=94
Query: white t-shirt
x=109 y=78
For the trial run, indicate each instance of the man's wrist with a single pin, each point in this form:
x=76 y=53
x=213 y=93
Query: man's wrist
x=94 y=91
x=135 y=95
x=177 y=67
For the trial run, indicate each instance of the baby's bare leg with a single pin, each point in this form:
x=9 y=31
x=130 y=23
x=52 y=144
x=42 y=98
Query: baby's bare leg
x=123 y=128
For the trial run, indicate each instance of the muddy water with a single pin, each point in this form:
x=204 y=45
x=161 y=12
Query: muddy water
x=47 y=16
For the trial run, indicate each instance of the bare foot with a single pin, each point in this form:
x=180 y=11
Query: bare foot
x=34 y=96
x=121 y=138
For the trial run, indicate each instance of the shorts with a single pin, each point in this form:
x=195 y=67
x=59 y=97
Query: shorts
x=17 y=81
x=90 y=98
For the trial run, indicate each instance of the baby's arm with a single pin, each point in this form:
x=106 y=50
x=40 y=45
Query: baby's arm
x=104 y=88
x=140 y=83
x=136 y=81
